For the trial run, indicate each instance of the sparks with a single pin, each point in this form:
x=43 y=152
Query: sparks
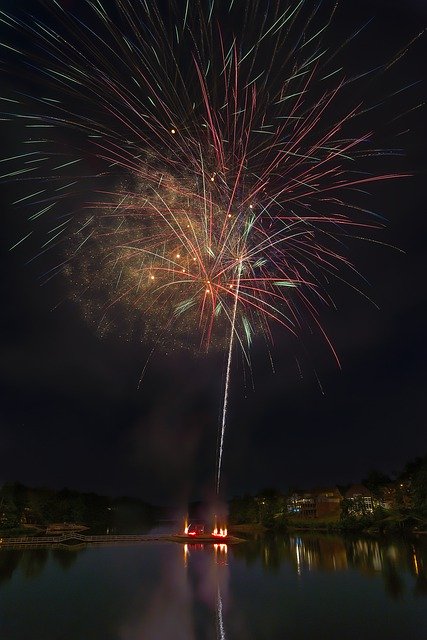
x=214 y=235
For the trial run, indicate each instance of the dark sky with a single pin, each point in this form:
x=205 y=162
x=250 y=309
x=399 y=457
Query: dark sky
x=71 y=413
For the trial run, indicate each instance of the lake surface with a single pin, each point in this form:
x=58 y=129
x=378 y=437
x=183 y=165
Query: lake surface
x=287 y=587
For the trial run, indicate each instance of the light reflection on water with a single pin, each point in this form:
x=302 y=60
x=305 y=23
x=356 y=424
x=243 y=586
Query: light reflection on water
x=196 y=579
x=313 y=552
x=283 y=586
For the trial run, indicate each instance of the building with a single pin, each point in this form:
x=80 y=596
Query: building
x=328 y=502
x=360 y=500
x=316 y=503
x=301 y=503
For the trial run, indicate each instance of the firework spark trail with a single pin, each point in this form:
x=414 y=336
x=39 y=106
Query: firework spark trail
x=232 y=159
x=227 y=381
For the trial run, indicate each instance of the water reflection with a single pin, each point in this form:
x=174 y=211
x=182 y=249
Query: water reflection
x=314 y=552
x=200 y=574
x=207 y=571
x=189 y=601
x=259 y=589
x=31 y=562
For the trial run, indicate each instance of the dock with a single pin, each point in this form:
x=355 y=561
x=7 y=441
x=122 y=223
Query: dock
x=71 y=539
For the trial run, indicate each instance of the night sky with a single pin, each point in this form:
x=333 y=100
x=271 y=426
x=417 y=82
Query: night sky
x=71 y=413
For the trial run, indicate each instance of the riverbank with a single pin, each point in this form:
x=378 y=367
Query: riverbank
x=368 y=525
x=248 y=528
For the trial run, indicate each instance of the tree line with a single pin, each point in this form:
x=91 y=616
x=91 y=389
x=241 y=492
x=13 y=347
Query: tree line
x=22 y=506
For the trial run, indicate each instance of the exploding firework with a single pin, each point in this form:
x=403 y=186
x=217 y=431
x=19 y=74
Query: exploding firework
x=197 y=165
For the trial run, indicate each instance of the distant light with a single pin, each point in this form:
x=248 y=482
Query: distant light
x=178 y=255
x=173 y=131
x=152 y=277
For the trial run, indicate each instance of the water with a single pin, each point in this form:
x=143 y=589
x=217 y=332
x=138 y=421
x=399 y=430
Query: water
x=281 y=587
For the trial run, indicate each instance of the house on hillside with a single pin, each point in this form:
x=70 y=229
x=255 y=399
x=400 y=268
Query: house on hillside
x=316 y=503
x=328 y=502
x=360 y=500
x=301 y=503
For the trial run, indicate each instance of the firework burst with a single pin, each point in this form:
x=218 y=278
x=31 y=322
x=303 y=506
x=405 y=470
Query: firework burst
x=211 y=148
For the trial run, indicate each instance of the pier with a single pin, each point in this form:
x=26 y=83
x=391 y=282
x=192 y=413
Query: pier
x=70 y=540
